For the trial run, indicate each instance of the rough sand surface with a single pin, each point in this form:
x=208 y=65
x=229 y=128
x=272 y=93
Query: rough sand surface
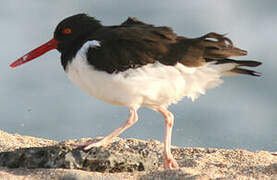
x=195 y=163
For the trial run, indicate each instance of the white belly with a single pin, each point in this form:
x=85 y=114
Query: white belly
x=152 y=85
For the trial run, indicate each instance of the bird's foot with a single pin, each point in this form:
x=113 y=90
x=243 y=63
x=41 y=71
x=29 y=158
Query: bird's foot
x=170 y=162
x=97 y=142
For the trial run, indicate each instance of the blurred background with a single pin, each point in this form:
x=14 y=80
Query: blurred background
x=37 y=99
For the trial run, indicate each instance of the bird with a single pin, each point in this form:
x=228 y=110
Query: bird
x=136 y=64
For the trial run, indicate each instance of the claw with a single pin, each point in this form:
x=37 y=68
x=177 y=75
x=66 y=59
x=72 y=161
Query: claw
x=170 y=162
x=90 y=145
x=86 y=146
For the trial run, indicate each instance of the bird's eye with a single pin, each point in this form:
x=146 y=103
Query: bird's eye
x=67 y=31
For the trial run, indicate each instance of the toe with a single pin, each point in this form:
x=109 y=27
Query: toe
x=95 y=144
x=174 y=164
x=89 y=144
x=170 y=162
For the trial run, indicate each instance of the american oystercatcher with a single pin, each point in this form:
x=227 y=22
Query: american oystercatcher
x=137 y=64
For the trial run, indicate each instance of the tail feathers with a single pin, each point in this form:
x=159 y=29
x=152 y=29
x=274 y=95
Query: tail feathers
x=217 y=46
x=248 y=63
x=238 y=63
x=246 y=71
x=224 y=52
x=194 y=52
x=218 y=49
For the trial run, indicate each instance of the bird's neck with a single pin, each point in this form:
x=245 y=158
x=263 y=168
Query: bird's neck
x=68 y=54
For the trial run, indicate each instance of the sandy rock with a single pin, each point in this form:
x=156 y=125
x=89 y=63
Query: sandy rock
x=10 y=142
x=71 y=157
x=127 y=155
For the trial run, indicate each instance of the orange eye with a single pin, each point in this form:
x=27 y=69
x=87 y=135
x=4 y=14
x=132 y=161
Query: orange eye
x=67 y=31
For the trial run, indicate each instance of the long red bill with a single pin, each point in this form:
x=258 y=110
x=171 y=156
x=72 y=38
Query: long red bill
x=52 y=44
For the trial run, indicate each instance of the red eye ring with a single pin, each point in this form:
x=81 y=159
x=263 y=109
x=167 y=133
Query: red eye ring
x=67 y=31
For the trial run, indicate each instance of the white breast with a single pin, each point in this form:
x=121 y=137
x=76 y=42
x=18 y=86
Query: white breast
x=152 y=85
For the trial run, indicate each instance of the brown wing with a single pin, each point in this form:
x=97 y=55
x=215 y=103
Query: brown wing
x=195 y=52
x=211 y=47
x=130 y=45
x=134 y=43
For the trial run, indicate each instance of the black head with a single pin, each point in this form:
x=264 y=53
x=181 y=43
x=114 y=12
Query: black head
x=69 y=36
x=74 y=30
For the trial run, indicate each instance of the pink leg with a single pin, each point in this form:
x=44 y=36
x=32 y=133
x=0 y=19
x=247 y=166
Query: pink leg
x=169 y=161
x=132 y=119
